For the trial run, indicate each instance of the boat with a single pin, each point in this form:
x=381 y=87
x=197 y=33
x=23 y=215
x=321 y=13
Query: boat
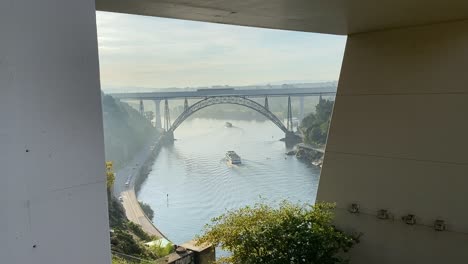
x=233 y=158
x=228 y=124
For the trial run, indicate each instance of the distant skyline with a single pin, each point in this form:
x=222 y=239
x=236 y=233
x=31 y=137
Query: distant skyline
x=152 y=52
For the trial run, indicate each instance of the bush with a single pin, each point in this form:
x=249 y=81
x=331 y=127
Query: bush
x=161 y=251
x=147 y=210
x=288 y=234
x=140 y=233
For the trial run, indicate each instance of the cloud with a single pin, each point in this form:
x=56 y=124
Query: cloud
x=158 y=52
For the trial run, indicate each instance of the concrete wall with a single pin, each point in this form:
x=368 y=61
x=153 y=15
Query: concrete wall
x=398 y=141
x=53 y=206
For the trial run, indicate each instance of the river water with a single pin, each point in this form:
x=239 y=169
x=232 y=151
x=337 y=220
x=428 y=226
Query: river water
x=191 y=182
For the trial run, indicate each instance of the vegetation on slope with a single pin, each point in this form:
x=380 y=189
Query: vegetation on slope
x=126 y=131
x=147 y=210
x=290 y=233
x=315 y=125
x=128 y=238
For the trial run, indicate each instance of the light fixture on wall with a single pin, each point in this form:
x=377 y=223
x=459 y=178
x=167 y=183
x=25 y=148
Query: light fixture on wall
x=354 y=208
x=382 y=214
x=439 y=225
x=409 y=219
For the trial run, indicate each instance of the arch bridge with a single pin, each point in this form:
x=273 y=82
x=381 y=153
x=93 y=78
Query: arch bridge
x=170 y=127
x=210 y=97
x=209 y=101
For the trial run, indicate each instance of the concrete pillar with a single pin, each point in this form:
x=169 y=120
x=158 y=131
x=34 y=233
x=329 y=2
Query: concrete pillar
x=167 y=116
x=142 y=108
x=53 y=204
x=289 y=121
x=398 y=141
x=186 y=105
x=301 y=108
x=157 y=114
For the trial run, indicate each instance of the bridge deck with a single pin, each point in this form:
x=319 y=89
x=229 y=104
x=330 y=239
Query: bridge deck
x=326 y=90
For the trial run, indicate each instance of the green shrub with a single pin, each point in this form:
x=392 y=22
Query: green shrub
x=139 y=232
x=289 y=233
x=147 y=210
x=162 y=251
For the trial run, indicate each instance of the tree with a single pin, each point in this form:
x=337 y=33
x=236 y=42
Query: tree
x=290 y=233
x=324 y=109
x=110 y=175
x=147 y=210
x=315 y=125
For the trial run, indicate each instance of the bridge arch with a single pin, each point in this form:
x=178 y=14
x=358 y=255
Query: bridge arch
x=237 y=100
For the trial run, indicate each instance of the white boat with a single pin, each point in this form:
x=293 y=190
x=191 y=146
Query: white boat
x=233 y=158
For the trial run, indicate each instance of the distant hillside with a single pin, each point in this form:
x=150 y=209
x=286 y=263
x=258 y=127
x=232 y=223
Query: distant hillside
x=125 y=131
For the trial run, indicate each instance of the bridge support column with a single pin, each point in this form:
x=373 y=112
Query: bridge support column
x=52 y=148
x=390 y=148
x=157 y=114
x=142 y=108
x=291 y=139
x=301 y=108
x=167 y=137
x=267 y=107
x=289 y=122
x=186 y=106
x=167 y=116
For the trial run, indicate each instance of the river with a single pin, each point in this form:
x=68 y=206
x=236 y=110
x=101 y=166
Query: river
x=191 y=182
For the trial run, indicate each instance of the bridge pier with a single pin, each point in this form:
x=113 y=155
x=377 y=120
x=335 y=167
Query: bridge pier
x=301 y=108
x=157 y=114
x=142 y=108
x=291 y=139
x=41 y=137
x=289 y=122
x=167 y=116
x=167 y=137
x=186 y=105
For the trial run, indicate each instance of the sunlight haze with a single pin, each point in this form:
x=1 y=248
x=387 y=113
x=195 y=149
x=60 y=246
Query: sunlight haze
x=151 y=52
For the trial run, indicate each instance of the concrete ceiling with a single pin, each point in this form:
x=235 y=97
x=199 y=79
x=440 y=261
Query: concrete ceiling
x=324 y=16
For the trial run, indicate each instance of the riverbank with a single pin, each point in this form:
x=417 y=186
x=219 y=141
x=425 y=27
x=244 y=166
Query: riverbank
x=128 y=183
x=308 y=153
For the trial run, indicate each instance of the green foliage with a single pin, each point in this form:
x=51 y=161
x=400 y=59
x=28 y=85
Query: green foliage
x=127 y=237
x=147 y=210
x=117 y=218
x=117 y=260
x=123 y=241
x=289 y=233
x=139 y=232
x=160 y=250
x=315 y=125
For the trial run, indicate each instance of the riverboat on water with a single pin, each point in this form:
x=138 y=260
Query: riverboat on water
x=233 y=158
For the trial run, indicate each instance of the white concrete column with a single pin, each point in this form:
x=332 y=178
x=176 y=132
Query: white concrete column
x=157 y=114
x=398 y=141
x=53 y=207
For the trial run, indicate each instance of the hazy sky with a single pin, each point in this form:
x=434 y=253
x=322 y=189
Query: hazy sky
x=139 y=51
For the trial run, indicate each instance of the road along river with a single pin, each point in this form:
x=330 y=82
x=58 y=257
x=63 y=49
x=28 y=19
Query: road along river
x=191 y=182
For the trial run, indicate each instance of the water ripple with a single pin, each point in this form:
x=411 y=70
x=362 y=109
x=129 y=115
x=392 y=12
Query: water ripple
x=191 y=182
